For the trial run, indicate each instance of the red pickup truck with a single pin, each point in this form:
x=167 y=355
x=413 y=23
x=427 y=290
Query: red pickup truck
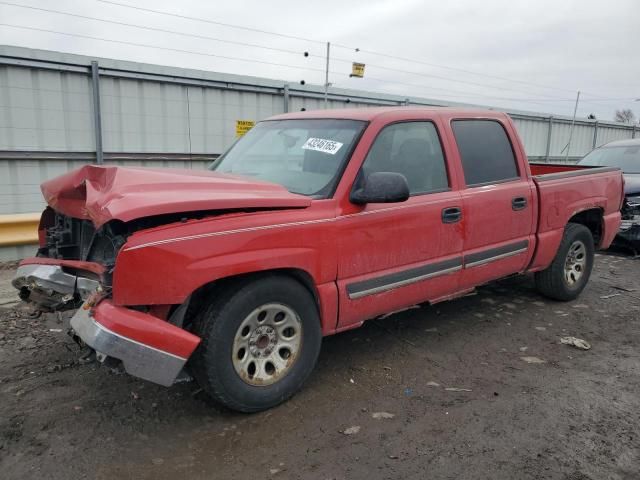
x=312 y=223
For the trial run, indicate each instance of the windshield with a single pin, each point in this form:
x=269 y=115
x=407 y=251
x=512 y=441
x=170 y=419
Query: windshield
x=626 y=158
x=304 y=156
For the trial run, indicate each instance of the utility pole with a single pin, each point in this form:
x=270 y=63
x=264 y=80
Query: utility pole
x=326 y=78
x=573 y=122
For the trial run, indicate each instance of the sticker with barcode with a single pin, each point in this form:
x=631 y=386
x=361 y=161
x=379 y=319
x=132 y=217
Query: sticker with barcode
x=322 y=145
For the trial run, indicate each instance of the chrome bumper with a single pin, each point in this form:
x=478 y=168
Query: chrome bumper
x=50 y=286
x=138 y=359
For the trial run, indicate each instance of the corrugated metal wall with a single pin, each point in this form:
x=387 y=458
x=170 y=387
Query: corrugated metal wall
x=160 y=116
x=45 y=110
x=533 y=133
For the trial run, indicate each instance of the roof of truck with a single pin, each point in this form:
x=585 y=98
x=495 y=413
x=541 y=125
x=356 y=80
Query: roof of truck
x=369 y=114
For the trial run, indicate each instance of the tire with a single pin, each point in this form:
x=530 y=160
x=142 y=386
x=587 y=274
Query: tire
x=256 y=322
x=558 y=281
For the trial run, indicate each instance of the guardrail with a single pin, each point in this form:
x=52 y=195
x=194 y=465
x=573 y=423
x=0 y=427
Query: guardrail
x=19 y=229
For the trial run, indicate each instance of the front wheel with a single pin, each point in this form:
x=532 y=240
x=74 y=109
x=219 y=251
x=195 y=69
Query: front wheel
x=260 y=342
x=571 y=268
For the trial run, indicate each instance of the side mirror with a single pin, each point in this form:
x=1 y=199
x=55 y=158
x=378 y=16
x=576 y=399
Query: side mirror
x=381 y=187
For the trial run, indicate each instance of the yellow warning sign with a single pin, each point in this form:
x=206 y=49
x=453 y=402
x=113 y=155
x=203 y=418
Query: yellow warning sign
x=243 y=126
x=357 y=70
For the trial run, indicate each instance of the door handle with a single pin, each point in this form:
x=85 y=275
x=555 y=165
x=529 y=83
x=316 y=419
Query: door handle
x=451 y=214
x=518 y=203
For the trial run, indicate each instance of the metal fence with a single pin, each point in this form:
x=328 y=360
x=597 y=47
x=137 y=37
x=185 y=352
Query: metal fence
x=59 y=111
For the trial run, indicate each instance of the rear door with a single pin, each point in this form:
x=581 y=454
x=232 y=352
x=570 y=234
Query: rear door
x=395 y=255
x=498 y=202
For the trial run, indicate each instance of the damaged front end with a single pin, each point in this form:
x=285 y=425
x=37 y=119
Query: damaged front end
x=73 y=270
x=629 y=233
x=74 y=260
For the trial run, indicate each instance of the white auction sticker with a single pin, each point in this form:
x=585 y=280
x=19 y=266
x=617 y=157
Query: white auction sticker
x=322 y=145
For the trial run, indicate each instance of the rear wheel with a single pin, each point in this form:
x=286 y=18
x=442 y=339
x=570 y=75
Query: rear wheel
x=571 y=268
x=260 y=342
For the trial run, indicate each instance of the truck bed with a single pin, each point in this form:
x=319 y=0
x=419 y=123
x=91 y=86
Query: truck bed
x=552 y=171
x=566 y=190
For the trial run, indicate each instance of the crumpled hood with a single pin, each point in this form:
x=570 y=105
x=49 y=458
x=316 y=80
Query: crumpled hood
x=632 y=183
x=103 y=193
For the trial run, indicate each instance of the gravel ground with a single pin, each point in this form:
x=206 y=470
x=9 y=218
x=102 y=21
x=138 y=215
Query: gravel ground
x=475 y=388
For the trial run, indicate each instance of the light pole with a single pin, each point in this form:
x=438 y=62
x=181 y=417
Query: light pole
x=573 y=122
x=326 y=78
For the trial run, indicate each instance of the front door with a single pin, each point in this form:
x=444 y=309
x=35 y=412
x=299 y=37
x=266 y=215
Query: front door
x=396 y=255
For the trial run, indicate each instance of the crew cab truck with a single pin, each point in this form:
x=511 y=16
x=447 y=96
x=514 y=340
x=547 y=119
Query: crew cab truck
x=309 y=225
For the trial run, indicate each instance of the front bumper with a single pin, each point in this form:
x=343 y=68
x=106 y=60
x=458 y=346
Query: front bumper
x=149 y=348
x=51 y=284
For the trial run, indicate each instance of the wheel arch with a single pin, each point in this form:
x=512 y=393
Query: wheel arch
x=220 y=285
x=593 y=219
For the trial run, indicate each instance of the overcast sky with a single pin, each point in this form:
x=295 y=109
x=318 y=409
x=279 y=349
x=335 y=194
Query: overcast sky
x=541 y=52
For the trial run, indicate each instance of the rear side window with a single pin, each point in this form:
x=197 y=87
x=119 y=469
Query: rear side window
x=485 y=151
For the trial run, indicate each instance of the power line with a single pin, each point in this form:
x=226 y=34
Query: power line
x=455 y=69
x=186 y=17
x=86 y=17
x=440 y=77
x=156 y=29
x=152 y=28
x=145 y=45
x=251 y=61
x=458 y=93
x=370 y=52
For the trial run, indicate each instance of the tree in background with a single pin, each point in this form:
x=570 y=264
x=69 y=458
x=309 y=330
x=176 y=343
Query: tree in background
x=625 y=116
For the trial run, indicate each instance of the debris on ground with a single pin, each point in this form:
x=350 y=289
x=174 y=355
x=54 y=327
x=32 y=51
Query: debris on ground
x=456 y=389
x=532 y=360
x=605 y=297
x=576 y=342
x=432 y=384
x=351 y=430
x=382 y=415
x=541 y=329
x=624 y=289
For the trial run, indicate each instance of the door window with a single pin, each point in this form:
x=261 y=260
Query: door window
x=485 y=151
x=412 y=149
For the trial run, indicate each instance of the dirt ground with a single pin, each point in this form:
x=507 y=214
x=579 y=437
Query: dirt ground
x=463 y=403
